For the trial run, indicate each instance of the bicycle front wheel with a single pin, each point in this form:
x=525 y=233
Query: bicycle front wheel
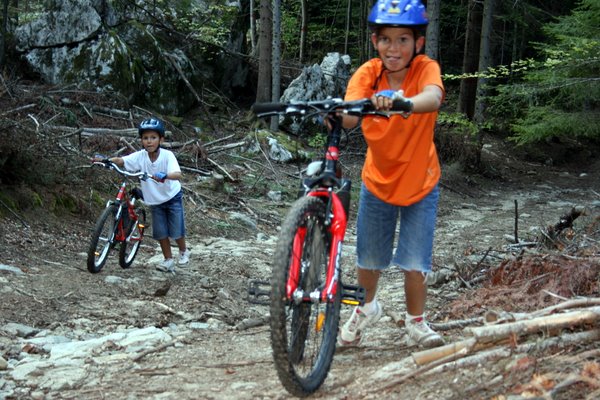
x=131 y=245
x=102 y=239
x=303 y=333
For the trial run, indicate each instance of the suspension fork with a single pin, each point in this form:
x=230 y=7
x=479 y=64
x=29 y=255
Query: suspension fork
x=337 y=229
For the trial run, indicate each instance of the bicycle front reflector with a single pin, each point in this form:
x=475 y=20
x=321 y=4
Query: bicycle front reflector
x=320 y=320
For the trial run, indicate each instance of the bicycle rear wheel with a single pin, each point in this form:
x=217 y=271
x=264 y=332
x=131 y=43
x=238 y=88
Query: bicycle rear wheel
x=303 y=334
x=102 y=239
x=131 y=245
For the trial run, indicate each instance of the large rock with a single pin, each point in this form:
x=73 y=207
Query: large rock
x=93 y=44
x=318 y=82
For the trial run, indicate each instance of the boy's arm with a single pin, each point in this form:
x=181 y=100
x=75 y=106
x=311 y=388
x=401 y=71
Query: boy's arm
x=430 y=99
x=117 y=160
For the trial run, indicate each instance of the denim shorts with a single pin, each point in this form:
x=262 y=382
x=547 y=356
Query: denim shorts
x=168 y=220
x=376 y=228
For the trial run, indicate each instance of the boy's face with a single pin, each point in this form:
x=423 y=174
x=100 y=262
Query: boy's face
x=396 y=46
x=151 y=140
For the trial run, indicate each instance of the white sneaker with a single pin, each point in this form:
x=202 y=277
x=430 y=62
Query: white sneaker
x=351 y=333
x=184 y=257
x=167 y=265
x=420 y=334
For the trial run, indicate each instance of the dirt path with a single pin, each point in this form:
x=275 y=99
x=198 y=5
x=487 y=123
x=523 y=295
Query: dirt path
x=178 y=333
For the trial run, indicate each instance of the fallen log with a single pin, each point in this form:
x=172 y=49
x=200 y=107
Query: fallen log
x=493 y=333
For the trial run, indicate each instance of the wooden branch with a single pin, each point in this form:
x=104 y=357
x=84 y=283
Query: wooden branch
x=195 y=170
x=429 y=355
x=494 y=333
x=230 y=146
x=418 y=371
x=25 y=107
x=222 y=169
x=446 y=326
x=481 y=358
x=144 y=353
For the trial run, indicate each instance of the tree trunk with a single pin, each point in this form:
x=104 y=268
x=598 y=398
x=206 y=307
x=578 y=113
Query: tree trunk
x=485 y=57
x=3 y=30
x=348 y=16
x=263 y=89
x=468 y=86
x=432 y=45
x=276 y=60
x=252 y=28
x=303 y=28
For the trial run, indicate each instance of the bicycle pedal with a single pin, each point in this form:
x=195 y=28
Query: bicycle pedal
x=353 y=295
x=259 y=292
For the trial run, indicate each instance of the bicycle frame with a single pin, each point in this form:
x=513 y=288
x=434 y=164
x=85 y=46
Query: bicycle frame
x=123 y=198
x=322 y=186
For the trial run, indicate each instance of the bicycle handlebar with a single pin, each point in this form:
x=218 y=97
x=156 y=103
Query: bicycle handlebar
x=111 y=165
x=330 y=106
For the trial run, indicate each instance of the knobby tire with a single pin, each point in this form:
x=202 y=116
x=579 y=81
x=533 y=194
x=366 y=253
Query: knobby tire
x=131 y=245
x=102 y=239
x=303 y=336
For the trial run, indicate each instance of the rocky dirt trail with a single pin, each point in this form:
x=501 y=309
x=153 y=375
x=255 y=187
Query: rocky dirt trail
x=140 y=333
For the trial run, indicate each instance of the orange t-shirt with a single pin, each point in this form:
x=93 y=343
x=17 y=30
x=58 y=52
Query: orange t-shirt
x=401 y=166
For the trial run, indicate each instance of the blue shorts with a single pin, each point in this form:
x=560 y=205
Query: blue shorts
x=168 y=220
x=376 y=227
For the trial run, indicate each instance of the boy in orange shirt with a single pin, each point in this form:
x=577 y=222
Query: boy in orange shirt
x=401 y=170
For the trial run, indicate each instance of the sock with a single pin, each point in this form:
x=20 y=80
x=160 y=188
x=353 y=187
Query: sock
x=369 y=308
x=413 y=318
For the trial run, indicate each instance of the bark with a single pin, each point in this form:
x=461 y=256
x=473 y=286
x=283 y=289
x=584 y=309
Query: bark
x=547 y=324
x=303 y=28
x=432 y=45
x=252 y=28
x=468 y=86
x=263 y=89
x=485 y=58
x=276 y=60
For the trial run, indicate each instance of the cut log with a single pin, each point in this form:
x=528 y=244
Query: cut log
x=494 y=333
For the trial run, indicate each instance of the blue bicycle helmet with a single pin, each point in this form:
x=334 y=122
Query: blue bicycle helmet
x=405 y=13
x=152 y=124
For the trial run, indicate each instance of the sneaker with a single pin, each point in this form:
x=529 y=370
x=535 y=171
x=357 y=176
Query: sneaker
x=184 y=257
x=352 y=331
x=167 y=265
x=420 y=334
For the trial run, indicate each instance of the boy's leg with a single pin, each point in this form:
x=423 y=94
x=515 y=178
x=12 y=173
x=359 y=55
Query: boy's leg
x=181 y=244
x=376 y=224
x=415 y=291
x=368 y=279
x=165 y=246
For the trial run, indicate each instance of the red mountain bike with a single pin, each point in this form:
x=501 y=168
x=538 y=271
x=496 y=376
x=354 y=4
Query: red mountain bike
x=122 y=221
x=306 y=290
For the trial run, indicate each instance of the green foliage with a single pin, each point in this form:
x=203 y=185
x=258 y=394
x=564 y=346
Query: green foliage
x=559 y=95
x=318 y=140
x=208 y=23
x=540 y=123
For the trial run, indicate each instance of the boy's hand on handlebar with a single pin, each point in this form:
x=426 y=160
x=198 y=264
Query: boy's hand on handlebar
x=100 y=158
x=390 y=99
x=159 y=177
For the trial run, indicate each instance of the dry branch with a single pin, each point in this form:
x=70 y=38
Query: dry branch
x=541 y=324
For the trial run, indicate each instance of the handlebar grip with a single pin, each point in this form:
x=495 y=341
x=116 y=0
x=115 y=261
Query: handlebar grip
x=402 y=105
x=264 y=108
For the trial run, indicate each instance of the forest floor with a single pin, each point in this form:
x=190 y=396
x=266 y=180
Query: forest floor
x=204 y=340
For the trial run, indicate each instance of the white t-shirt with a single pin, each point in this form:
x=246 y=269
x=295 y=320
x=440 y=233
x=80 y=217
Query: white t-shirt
x=155 y=192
